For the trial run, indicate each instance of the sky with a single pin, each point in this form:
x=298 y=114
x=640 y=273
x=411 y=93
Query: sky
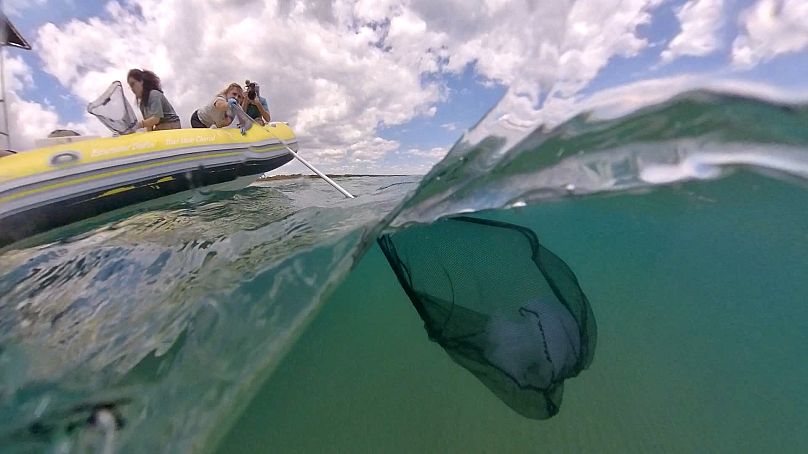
x=388 y=86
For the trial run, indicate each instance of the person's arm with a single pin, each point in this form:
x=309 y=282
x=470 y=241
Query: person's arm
x=220 y=103
x=263 y=107
x=154 y=111
x=225 y=122
x=148 y=123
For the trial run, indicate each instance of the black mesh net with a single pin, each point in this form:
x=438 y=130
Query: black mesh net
x=502 y=305
x=112 y=109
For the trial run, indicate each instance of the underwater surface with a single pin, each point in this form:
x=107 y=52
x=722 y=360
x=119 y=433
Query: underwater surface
x=700 y=306
x=271 y=318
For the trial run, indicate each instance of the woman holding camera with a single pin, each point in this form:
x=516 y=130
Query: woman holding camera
x=158 y=113
x=254 y=104
x=220 y=111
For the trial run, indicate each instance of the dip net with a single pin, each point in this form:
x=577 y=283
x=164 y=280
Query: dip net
x=500 y=304
x=113 y=110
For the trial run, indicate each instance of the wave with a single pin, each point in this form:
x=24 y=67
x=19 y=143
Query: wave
x=693 y=135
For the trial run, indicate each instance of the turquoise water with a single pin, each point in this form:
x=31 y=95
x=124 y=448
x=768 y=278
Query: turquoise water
x=699 y=296
x=268 y=320
x=171 y=312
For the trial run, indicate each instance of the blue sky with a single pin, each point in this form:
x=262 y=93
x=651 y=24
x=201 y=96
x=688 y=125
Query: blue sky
x=469 y=98
x=46 y=88
x=396 y=107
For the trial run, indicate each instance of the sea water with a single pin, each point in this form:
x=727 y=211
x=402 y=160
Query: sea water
x=700 y=299
x=268 y=320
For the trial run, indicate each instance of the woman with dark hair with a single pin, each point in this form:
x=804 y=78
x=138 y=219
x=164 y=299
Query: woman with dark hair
x=158 y=114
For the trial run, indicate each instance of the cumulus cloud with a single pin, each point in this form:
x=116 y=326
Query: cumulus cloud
x=29 y=120
x=598 y=31
x=770 y=28
x=335 y=73
x=433 y=153
x=700 y=21
x=26 y=119
x=338 y=71
x=562 y=58
x=18 y=74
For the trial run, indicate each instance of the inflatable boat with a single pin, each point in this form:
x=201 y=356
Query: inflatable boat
x=80 y=178
x=54 y=186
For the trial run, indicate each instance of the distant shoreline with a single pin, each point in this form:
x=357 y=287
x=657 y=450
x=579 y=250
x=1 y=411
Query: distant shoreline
x=344 y=175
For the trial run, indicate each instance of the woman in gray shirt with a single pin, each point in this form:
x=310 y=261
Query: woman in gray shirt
x=219 y=112
x=158 y=113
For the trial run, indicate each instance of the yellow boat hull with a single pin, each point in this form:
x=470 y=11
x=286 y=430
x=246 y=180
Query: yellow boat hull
x=54 y=186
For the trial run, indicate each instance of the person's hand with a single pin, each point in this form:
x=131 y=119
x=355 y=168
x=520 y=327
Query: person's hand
x=129 y=130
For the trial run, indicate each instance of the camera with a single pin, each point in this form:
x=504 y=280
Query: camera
x=251 y=93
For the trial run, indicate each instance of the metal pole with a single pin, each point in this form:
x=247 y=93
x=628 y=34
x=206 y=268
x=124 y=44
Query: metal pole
x=247 y=119
x=320 y=174
x=6 y=133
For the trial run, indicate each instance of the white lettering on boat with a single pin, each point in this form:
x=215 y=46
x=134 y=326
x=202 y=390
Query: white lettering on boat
x=191 y=140
x=138 y=146
x=95 y=152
